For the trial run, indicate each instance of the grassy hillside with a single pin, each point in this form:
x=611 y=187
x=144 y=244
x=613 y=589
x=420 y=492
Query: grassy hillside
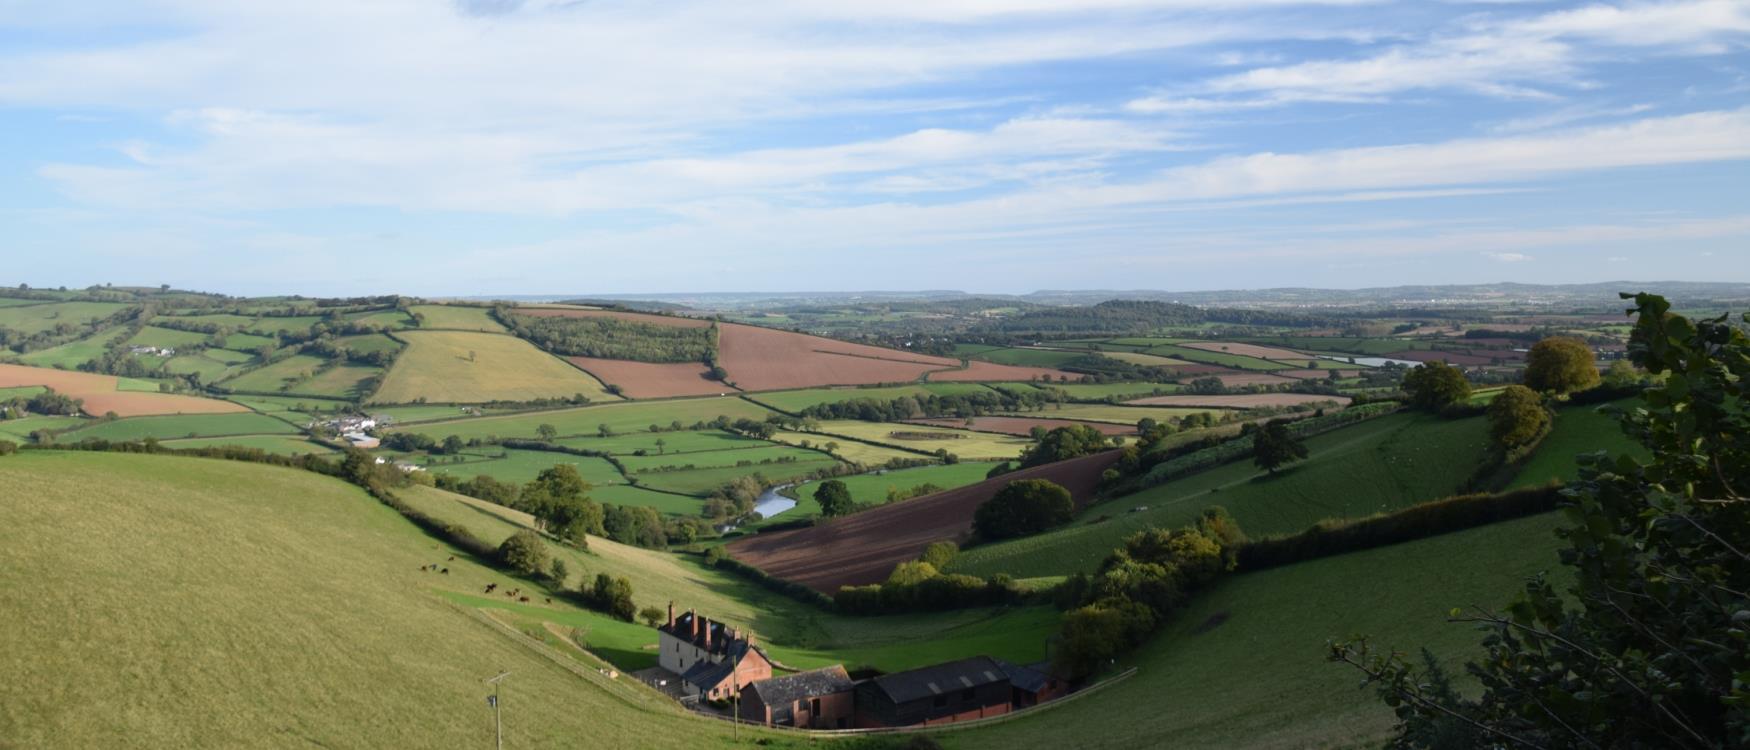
x=206 y=638
x=75 y=353
x=1578 y=429
x=187 y=425
x=463 y=367
x=1381 y=464
x=457 y=317
x=1255 y=676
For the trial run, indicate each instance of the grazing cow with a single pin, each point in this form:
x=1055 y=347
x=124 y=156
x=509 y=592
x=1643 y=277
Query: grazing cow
x=452 y=559
x=524 y=600
x=549 y=600
x=445 y=571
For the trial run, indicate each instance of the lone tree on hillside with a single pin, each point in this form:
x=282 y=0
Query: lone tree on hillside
x=834 y=498
x=1517 y=417
x=650 y=616
x=547 y=432
x=1560 y=364
x=1025 y=506
x=1273 y=445
x=1436 y=385
x=524 y=552
x=1641 y=643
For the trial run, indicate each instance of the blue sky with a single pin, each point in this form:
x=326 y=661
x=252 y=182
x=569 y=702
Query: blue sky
x=437 y=147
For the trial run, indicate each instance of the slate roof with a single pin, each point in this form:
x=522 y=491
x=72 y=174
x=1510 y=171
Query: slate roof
x=940 y=679
x=706 y=675
x=781 y=691
x=1026 y=678
x=683 y=626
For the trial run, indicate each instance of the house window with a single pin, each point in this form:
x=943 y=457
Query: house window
x=968 y=694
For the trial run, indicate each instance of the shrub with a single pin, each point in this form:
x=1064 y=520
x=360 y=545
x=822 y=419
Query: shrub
x=1517 y=417
x=8 y=447
x=1436 y=385
x=939 y=554
x=1025 y=506
x=525 y=553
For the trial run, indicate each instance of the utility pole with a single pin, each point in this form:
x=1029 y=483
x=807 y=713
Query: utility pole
x=497 y=709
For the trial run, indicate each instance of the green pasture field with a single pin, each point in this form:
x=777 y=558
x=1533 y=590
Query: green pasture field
x=390 y=318
x=33 y=319
x=210 y=370
x=74 y=353
x=183 y=425
x=1114 y=413
x=1243 y=665
x=1028 y=357
x=166 y=337
x=1577 y=430
x=796 y=401
x=793 y=633
x=1378 y=465
x=872 y=489
x=663 y=502
x=648 y=464
x=285 y=446
x=968 y=445
x=1145 y=341
x=1016 y=388
x=16 y=301
x=464 y=367
x=229 y=567
x=220 y=319
x=136 y=384
x=1224 y=359
x=18 y=430
x=249 y=341
x=701 y=482
x=22 y=391
x=1145 y=360
x=458 y=317
x=1100 y=391
x=420 y=412
x=273 y=324
x=519 y=466
x=298 y=406
x=340 y=381
x=227 y=356
x=678 y=442
x=375 y=342
x=619 y=417
x=849 y=450
x=973 y=350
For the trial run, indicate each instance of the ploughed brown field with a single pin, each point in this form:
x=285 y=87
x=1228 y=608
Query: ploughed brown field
x=984 y=371
x=863 y=548
x=1247 y=350
x=1245 y=401
x=1024 y=425
x=101 y=397
x=659 y=320
x=764 y=359
x=652 y=380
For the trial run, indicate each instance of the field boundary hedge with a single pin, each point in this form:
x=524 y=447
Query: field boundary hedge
x=1335 y=537
x=1240 y=446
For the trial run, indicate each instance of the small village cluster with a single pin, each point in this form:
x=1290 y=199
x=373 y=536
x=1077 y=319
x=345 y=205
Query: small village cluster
x=703 y=663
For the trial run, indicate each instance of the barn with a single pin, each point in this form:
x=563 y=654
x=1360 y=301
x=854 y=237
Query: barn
x=817 y=699
x=971 y=688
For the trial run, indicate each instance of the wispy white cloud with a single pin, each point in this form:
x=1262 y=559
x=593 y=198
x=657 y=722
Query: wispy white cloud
x=1508 y=257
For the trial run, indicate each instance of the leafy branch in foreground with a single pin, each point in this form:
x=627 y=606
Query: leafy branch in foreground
x=1651 y=645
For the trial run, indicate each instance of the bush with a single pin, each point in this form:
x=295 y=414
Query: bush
x=939 y=554
x=525 y=553
x=1517 y=417
x=8 y=447
x=1025 y=506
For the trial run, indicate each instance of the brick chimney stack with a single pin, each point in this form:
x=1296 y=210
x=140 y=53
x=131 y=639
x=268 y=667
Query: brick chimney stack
x=671 y=615
x=707 y=636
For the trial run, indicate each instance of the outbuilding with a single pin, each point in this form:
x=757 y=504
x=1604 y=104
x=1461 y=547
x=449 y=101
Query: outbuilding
x=971 y=688
x=816 y=699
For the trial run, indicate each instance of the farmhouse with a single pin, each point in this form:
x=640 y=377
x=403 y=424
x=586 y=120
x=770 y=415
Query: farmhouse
x=971 y=688
x=161 y=351
x=712 y=659
x=817 y=699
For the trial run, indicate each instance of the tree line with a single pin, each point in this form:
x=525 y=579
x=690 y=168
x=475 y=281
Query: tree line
x=614 y=338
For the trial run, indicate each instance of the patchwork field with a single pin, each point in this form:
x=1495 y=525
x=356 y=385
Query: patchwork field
x=74 y=353
x=1248 y=350
x=198 y=425
x=1244 y=401
x=976 y=371
x=306 y=375
x=1026 y=356
x=166 y=337
x=968 y=445
x=853 y=451
x=873 y=488
x=102 y=393
x=519 y=466
x=19 y=430
x=1023 y=426
x=673 y=443
x=795 y=401
x=763 y=359
x=619 y=418
x=1122 y=414
x=701 y=482
x=1275 y=623
x=34 y=319
x=1146 y=360
x=1243 y=379
x=1381 y=464
x=204 y=653
x=653 y=379
x=457 y=317
x=462 y=367
x=285 y=446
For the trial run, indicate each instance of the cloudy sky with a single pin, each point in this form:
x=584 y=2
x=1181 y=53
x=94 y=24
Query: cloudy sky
x=570 y=146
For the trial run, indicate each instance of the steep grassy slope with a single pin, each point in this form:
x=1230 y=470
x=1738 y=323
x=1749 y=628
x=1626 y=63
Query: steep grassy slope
x=293 y=614
x=1244 y=666
x=1381 y=464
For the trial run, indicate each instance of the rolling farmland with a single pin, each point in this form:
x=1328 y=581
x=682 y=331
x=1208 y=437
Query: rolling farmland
x=619 y=418
x=461 y=367
x=457 y=317
x=102 y=393
x=196 y=425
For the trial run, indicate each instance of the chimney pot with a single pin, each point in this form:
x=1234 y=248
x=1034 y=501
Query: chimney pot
x=671 y=615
